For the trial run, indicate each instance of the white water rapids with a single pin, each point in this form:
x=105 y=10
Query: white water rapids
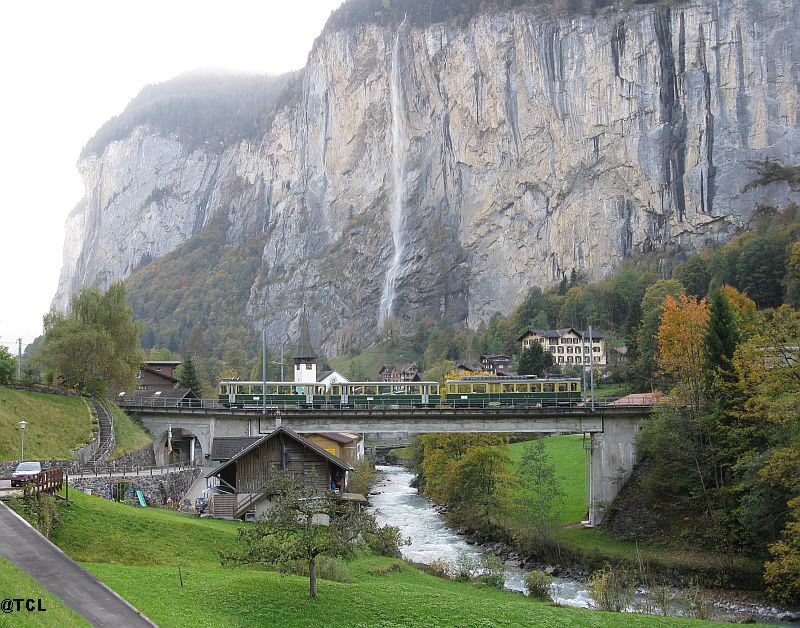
x=398 y=183
x=396 y=503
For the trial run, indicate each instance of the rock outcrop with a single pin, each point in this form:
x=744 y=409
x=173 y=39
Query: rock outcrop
x=497 y=156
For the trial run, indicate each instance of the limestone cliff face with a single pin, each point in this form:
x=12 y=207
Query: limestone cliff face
x=451 y=169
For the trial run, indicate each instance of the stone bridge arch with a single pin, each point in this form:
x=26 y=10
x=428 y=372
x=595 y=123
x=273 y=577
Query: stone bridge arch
x=190 y=444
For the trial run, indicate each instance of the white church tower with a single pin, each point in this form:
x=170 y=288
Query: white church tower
x=305 y=363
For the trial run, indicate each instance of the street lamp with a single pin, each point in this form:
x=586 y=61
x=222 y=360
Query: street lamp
x=22 y=425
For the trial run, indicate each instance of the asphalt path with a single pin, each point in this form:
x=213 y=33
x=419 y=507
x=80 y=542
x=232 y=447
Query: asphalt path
x=63 y=577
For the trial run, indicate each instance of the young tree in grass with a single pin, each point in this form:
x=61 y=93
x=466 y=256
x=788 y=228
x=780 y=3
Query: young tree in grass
x=538 y=473
x=292 y=528
x=188 y=377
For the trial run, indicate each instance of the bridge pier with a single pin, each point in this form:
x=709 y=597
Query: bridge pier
x=612 y=456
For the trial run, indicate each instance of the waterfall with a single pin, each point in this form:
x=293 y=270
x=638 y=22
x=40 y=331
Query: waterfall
x=398 y=182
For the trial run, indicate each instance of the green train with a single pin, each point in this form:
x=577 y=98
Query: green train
x=464 y=392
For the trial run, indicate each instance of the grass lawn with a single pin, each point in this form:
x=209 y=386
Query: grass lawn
x=137 y=552
x=569 y=458
x=129 y=435
x=15 y=583
x=595 y=545
x=57 y=425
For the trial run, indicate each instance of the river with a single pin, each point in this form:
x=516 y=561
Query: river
x=396 y=503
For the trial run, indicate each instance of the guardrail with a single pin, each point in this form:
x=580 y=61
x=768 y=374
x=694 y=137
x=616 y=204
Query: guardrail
x=114 y=471
x=216 y=404
x=49 y=481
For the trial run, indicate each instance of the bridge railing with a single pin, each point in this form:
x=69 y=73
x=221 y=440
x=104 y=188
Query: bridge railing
x=216 y=404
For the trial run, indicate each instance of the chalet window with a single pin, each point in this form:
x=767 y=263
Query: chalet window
x=309 y=366
x=561 y=359
x=569 y=359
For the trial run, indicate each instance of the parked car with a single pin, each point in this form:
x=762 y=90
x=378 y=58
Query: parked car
x=25 y=470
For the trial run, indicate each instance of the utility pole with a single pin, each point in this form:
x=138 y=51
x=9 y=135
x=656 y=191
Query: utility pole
x=264 y=369
x=19 y=359
x=591 y=364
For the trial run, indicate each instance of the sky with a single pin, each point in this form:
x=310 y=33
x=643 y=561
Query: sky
x=67 y=67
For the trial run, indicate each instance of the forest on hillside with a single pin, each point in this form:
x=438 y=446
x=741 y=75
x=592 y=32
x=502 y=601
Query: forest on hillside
x=425 y=12
x=215 y=109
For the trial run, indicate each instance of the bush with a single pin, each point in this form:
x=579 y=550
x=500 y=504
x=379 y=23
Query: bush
x=361 y=479
x=612 y=589
x=494 y=573
x=538 y=585
x=467 y=567
x=386 y=540
x=696 y=604
x=439 y=568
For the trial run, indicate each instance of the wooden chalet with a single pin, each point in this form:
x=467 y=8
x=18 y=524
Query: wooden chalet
x=249 y=473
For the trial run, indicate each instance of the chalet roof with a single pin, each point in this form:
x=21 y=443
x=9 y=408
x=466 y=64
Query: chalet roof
x=304 y=350
x=226 y=447
x=398 y=368
x=175 y=394
x=469 y=365
x=162 y=363
x=495 y=358
x=558 y=333
x=322 y=375
x=164 y=376
x=335 y=460
x=339 y=437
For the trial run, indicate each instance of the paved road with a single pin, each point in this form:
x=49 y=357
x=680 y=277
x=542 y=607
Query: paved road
x=62 y=576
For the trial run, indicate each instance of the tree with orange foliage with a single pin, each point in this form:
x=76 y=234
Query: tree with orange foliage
x=681 y=345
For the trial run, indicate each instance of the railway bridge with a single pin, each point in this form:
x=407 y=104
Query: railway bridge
x=610 y=429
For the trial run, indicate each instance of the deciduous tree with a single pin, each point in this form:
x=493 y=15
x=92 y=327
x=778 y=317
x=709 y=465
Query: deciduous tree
x=8 y=366
x=95 y=346
x=534 y=360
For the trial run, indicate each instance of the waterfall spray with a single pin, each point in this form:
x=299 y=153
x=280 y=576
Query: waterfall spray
x=398 y=183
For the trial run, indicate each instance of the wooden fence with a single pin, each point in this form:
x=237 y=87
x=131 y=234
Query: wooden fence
x=49 y=481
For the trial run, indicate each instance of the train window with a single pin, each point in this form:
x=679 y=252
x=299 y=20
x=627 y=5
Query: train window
x=479 y=388
x=223 y=389
x=412 y=390
x=284 y=390
x=336 y=390
x=384 y=390
x=464 y=388
x=520 y=388
x=573 y=386
x=256 y=390
x=549 y=387
x=562 y=388
x=508 y=387
x=357 y=390
x=370 y=390
x=434 y=389
x=241 y=390
x=536 y=388
x=270 y=390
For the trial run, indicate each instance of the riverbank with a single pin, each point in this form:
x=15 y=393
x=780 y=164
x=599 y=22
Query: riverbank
x=396 y=502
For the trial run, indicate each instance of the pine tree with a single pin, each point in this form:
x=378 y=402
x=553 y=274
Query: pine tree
x=722 y=336
x=188 y=377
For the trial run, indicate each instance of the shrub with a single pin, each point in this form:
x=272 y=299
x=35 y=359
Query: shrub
x=361 y=479
x=386 y=540
x=494 y=573
x=439 y=568
x=538 y=585
x=612 y=589
x=696 y=604
x=467 y=567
